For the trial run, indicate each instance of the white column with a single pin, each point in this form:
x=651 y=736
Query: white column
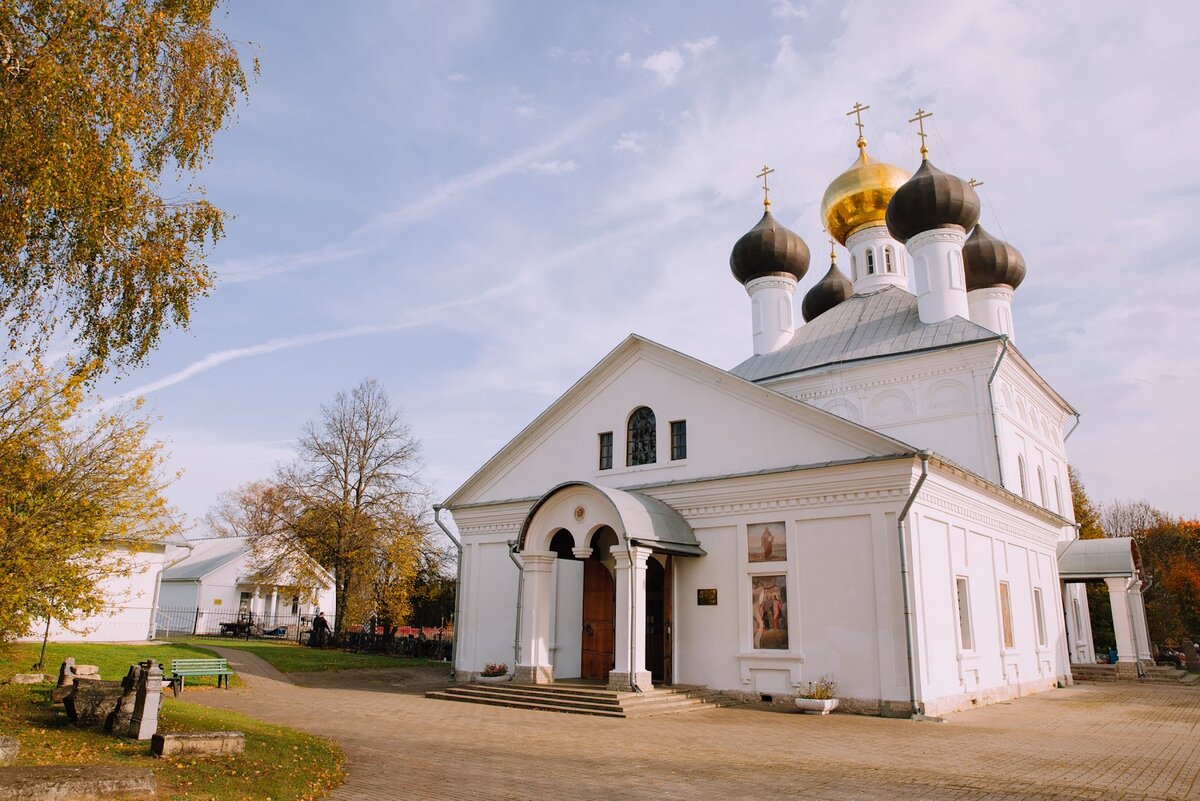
x=941 y=284
x=1126 y=653
x=876 y=260
x=771 y=299
x=274 y=613
x=631 y=620
x=536 y=598
x=1141 y=630
x=992 y=308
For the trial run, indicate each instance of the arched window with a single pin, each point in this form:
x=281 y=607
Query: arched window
x=853 y=267
x=1042 y=489
x=870 y=261
x=1058 y=507
x=640 y=442
x=1021 y=474
x=888 y=266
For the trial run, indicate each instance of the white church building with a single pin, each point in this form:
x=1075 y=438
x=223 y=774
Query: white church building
x=879 y=495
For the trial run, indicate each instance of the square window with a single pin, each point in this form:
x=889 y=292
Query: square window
x=606 y=451
x=679 y=439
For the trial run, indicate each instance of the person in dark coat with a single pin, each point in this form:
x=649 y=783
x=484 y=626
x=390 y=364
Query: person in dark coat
x=320 y=630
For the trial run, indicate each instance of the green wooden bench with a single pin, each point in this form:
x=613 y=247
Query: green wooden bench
x=182 y=668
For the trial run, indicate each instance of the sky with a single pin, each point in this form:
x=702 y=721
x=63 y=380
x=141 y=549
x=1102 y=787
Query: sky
x=474 y=202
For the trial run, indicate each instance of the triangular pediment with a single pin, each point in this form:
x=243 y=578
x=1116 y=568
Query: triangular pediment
x=733 y=427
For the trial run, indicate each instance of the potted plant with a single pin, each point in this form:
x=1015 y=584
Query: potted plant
x=494 y=672
x=819 y=696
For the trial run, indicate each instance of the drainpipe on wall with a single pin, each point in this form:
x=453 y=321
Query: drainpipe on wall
x=512 y=554
x=1072 y=431
x=437 y=511
x=992 y=403
x=917 y=711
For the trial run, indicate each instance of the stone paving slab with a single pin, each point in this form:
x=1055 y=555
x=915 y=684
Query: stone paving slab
x=1110 y=742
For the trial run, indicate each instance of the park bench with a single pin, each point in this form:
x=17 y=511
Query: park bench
x=182 y=668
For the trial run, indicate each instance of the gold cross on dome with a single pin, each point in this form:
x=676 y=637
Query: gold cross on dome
x=857 y=111
x=922 y=115
x=973 y=183
x=833 y=247
x=766 y=189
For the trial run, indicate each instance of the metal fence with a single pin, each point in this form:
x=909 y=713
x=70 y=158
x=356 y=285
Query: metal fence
x=191 y=621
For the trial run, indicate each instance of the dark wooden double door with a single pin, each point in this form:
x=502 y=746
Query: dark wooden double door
x=599 y=621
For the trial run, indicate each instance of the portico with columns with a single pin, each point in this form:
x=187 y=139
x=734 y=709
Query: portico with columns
x=1116 y=562
x=584 y=553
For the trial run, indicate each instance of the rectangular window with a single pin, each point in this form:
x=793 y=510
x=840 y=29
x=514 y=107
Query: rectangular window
x=964 y=615
x=606 y=451
x=679 y=439
x=1040 y=615
x=1006 y=615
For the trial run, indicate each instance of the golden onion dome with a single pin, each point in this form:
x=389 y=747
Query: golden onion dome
x=859 y=196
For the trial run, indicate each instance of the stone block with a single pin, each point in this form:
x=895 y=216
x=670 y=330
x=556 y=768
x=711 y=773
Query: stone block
x=87 y=670
x=91 y=702
x=28 y=678
x=75 y=783
x=118 y=721
x=9 y=748
x=59 y=694
x=66 y=672
x=207 y=743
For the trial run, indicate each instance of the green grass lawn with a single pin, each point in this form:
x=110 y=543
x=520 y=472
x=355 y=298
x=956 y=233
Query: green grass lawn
x=279 y=763
x=289 y=657
x=112 y=659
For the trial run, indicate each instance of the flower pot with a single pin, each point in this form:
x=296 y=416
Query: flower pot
x=493 y=679
x=821 y=705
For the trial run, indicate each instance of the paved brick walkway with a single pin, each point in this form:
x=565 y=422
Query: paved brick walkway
x=1109 y=742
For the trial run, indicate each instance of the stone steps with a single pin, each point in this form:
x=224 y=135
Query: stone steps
x=580 y=699
x=1157 y=674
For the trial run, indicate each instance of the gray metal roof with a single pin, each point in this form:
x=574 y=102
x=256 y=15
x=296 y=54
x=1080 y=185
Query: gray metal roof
x=1103 y=558
x=881 y=323
x=647 y=521
x=206 y=556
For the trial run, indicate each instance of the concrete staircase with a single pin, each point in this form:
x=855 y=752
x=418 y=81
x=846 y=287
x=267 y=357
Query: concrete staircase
x=581 y=699
x=1158 y=674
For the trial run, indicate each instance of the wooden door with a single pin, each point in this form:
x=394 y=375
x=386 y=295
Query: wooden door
x=599 y=617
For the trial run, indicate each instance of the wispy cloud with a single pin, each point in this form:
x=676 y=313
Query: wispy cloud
x=665 y=64
x=554 y=167
x=785 y=9
x=630 y=142
x=697 y=48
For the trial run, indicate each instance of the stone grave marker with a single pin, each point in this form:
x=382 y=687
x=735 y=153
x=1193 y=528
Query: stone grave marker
x=144 y=723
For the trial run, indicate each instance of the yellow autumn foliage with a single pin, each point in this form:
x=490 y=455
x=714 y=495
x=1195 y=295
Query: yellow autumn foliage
x=77 y=490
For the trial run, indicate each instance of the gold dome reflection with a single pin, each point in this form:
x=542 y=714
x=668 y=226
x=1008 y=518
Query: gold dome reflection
x=859 y=196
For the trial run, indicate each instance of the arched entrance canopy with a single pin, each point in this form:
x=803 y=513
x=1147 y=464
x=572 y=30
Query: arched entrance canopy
x=1088 y=560
x=645 y=521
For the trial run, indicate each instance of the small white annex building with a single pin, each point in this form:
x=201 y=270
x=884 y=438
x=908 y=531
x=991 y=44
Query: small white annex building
x=217 y=584
x=131 y=595
x=879 y=495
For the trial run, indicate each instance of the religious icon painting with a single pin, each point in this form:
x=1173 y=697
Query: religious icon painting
x=766 y=542
x=768 y=608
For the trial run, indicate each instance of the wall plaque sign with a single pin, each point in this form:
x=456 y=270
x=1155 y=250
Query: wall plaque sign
x=706 y=597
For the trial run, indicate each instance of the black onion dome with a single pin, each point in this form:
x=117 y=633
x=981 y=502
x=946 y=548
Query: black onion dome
x=989 y=261
x=931 y=199
x=826 y=293
x=768 y=249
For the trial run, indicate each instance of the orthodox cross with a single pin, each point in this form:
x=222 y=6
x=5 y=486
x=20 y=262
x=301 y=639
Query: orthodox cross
x=766 y=189
x=857 y=111
x=973 y=183
x=922 y=115
x=833 y=243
